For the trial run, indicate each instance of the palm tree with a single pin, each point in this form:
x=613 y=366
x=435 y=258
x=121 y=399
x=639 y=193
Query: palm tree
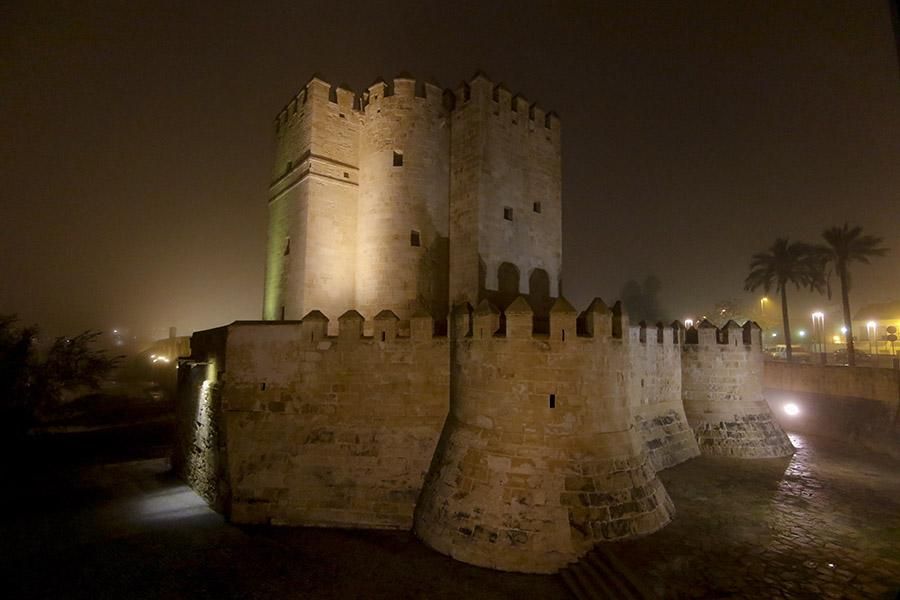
x=847 y=245
x=782 y=264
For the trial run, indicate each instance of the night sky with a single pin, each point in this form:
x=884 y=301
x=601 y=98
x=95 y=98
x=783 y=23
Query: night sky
x=137 y=139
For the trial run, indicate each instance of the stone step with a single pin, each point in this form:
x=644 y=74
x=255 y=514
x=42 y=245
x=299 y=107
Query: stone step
x=601 y=576
x=574 y=585
x=626 y=575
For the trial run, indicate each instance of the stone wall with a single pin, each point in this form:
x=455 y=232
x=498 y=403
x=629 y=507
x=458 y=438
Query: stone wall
x=506 y=157
x=860 y=404
x=318 y=430
x=655 y=353
x=723 y=394
x=366 y=194
x=199 y=455
x=539 y=458
x=311 y=253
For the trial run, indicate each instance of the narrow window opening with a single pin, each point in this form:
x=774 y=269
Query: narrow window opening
x=287 y=247
x=343 y=116
x=563 y=335
x=552 y=400
x=414 y=238
x=398 y=159
x=262 y=386
x=290 y=165
x=507 y=213
x=383 y=336
x=282 y=313
x=346 y=175
x=536 y=207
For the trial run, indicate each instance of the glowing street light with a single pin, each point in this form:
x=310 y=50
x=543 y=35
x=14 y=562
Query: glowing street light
x=871 y=328
x=791 y=409
x=818 y=319
x=688 y=323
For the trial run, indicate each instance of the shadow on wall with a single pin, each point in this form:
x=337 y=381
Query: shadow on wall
x=508 y=284
x=434 y=278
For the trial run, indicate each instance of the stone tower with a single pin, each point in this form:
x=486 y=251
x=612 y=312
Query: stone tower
x=311 y=254
x=409 y=196
x=505 y=198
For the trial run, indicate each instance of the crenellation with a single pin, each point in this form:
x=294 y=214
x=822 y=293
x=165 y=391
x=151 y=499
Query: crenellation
x=563 y=317
x=385 y=326
x=421 y=325
x=345 y=98
x=707 y=334
x=350 y=325
x=619 y=320
x=486 y=320
x=405 y=86
x=597 y=319
x=519 y=319
x=314 y=326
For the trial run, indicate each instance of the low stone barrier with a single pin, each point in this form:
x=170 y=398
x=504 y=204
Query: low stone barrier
x=860 y=404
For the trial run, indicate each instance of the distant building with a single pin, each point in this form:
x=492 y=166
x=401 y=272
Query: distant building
x=872 y=321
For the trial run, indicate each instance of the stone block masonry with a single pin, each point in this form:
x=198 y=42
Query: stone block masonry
x=501 y=446
x=723 y=393
x=316 y=430
x=513 y=439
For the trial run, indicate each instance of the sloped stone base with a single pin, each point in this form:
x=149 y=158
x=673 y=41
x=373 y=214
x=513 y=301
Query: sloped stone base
x=514 y=503
x=742 y=436
x=667 y=437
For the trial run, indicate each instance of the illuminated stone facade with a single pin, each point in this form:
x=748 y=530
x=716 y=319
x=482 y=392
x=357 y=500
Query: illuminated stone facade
x=369 y=190
x=516 y=435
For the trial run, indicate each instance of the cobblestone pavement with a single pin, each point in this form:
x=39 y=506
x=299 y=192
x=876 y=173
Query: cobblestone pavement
x=823 y=524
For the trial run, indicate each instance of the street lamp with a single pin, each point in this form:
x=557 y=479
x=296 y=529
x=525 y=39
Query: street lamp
x=688 y=323
x=818 y=320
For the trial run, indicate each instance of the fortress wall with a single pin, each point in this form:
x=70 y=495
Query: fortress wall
x=539 y=459
x=330 y=431
x=723 y=394
x=397 y=200
x=199 y=456
x=654 y=354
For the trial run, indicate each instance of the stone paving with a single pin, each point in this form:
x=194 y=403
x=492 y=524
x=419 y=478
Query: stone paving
x=822 y=524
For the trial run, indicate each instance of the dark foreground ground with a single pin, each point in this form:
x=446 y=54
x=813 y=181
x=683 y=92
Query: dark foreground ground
x=84 y=519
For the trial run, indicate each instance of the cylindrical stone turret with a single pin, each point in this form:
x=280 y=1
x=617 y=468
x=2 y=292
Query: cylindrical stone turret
x=402 y=242
x=722 y=388
x=538 y=459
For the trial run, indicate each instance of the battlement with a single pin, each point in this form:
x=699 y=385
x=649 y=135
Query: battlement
x=405 y=85
x=317 y=87
x=518 y=321
x=748 y=335
x=504 y=103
